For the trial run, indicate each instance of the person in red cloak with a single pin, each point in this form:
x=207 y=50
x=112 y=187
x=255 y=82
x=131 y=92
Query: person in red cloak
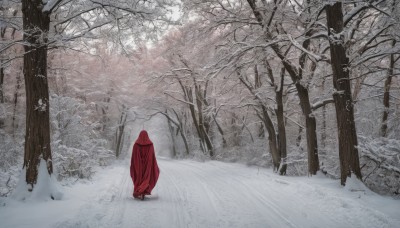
x=144 y=168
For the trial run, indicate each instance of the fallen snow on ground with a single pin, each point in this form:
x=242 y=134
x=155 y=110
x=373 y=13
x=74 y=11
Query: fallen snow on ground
x=209 y=194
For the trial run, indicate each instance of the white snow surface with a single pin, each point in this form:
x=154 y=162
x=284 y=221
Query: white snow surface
x=46 y=186
x=207 y=194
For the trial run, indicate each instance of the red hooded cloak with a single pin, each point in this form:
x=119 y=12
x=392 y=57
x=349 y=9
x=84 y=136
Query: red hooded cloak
x=144 y=168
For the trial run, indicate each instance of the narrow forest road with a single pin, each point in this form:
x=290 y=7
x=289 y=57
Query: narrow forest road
x=209 y=194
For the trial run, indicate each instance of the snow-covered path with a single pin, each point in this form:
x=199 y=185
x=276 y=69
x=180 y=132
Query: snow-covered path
x=209 y=194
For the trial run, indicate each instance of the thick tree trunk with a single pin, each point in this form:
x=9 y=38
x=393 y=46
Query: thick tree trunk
x=277 y=142
x=311 y=125
x=386 y=94
x=348 y=145
x=281 y=126
x=2 y=33
x=311 y=129
x=281 y=136
x=273 y=144
x=37 y=138
x=1 y=82
x=1 y=91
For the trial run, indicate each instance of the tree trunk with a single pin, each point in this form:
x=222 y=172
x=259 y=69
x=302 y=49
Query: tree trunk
x=281 y=126
x=298 y=138
x=37 y=138
x=1 y=91
x=182 y=131
x=120 y=131
x=224 y=143
x=172 y=133
x=273 y=144
x=203 y=122
x=323 y=130
x=348 y=145
x=311 y=129
x=1 y=82
x=16 y=95
x=2 y=33
x=281 y=136
x=184 y=139
x=386 y=95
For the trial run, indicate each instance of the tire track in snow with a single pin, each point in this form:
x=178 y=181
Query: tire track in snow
x=206 y=206
x=258 y=198
x=109 y=214
x=118 y=203
x=215 y=194
x=180 y=199
x=241 y=195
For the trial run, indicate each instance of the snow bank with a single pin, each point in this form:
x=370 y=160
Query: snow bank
x=45 y=189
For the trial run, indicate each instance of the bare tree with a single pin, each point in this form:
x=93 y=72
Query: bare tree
x=296 y=74
x=265 y=117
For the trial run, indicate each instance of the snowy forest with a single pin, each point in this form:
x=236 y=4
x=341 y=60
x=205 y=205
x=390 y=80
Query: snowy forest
x=300 y=87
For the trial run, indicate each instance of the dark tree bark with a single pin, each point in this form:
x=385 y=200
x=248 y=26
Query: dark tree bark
x=2 y=34
x=386 y=94
x=311 y=129
x=16 y=95
x=37 y=138
x=281 y=136
x=298 y=138
x=281 y=125
x=1 y=82
x=348 y=145
x=272 y=138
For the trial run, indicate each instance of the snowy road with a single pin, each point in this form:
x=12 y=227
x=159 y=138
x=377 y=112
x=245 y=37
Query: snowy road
x=210 y=194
